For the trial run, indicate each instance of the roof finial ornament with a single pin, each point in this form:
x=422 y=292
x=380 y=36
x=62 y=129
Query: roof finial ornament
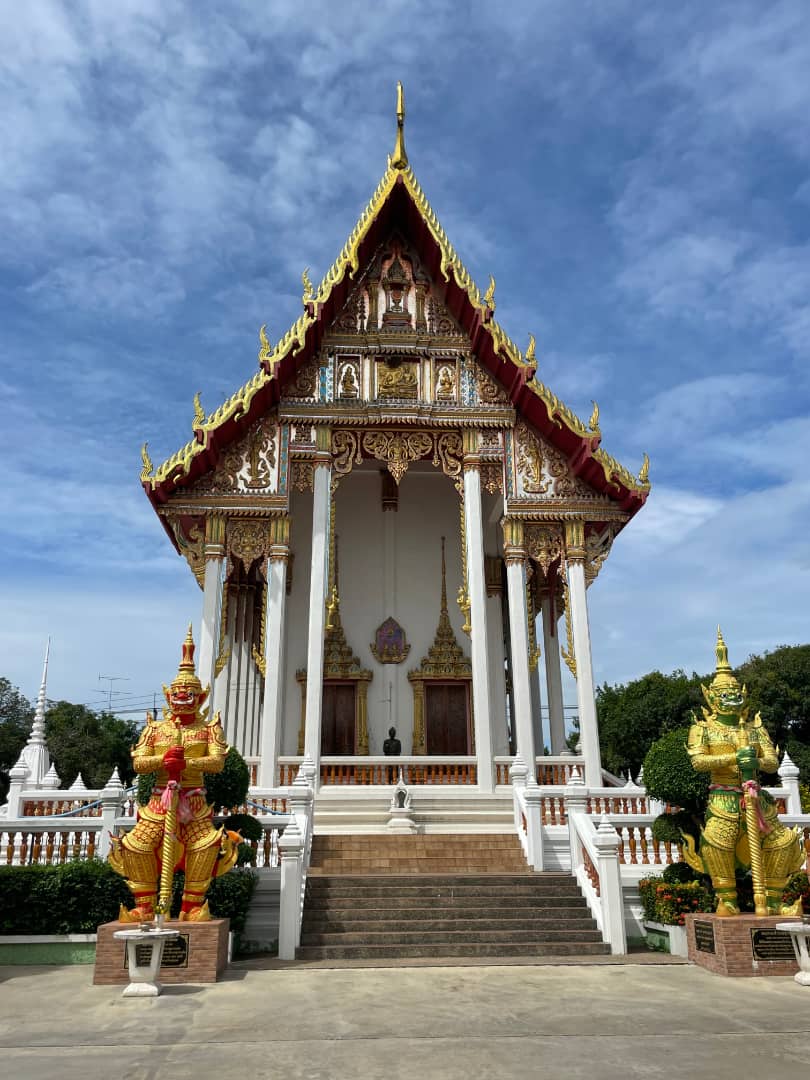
x=148 y=467
x=399 y=159
x=489 y=295
x=644 y=471
x=309 y=291
x=531 y=356
x=199 y=413
x=593 y=423
x=265 y=349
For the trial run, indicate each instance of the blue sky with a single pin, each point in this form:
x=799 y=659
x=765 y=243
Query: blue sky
x=635 y=176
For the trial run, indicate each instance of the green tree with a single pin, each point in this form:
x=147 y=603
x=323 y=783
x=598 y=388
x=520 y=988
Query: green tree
x=16 y=714
x=779 y=687
x=93 y=743
x=632 y=716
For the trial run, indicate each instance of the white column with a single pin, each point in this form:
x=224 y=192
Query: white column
x=586 y=698
x=208 y=638
x=317 y=609
x=476 y=585
x=537 y=708
x=274 y=651
x=551 y=653
x=519 y=636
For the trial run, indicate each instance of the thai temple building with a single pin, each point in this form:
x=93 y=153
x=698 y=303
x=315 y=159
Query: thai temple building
x=394 y=524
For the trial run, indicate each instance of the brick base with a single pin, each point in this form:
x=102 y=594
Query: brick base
x=206 y=958
x=733 y=947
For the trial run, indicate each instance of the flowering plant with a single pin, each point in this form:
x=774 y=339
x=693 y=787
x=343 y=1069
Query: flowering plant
x=669 y=902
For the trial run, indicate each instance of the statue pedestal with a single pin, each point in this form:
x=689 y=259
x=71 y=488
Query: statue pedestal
x=741 y=945
x=194 y=953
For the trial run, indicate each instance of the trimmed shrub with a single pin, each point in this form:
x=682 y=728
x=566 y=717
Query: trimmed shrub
x=669 y=776
x=248 y=827
x=679 y=873
x=74 y=898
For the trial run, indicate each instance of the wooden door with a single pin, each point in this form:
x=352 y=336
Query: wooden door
x=337 y=719
x=447 y=727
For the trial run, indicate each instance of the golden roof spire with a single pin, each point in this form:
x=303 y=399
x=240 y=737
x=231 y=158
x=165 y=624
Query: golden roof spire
x=399 y=159
x=721 y=652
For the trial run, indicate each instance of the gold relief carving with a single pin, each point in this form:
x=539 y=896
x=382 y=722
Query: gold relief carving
x=192 y=547
x=348 y=386
x=323 y=439
x=248 y=540
x=492 y=575
x=261 y=456
x=258 y=654
x=565 y=484
x=513 y=531
x=215 y=529
x=530 y=461
x=302 y=476
x=397 y=380
x=223 y=650
x=597 y=549
x=492 y=477
x=575 y=541
x=567 y=650
x=345 y=452
x=446 y=383
x=544 y=544
x=448 y=452
x=305 y=383
x=397 y=449
x=490 y=440
x=279 y=531
x=445 y=660
x=489 y=392
x=531 y=618
x=309 y=293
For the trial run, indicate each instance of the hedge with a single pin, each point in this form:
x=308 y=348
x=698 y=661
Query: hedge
x=77 y=897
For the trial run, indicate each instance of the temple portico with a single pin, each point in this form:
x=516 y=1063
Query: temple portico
x=394 y=523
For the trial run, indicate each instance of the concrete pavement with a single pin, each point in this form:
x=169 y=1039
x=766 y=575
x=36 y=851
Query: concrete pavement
x=601 y=1022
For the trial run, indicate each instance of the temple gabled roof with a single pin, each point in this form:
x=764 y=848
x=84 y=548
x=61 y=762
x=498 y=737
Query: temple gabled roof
x=399 y=201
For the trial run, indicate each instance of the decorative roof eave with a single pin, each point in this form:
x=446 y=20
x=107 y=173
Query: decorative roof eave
x=492 y=345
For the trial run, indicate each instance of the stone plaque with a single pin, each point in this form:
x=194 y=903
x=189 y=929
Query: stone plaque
x=704 y=936
x=175 y=953
x=769 y=944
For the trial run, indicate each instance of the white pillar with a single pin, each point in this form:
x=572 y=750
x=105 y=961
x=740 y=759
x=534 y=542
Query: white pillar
x=274 y=651
x=318 y=583
x=208 y=638
x=515 y=555
x=551 y=653
x=586 y=698
x=476 y=585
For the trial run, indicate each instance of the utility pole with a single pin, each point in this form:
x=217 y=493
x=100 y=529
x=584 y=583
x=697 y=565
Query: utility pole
x=112 y=679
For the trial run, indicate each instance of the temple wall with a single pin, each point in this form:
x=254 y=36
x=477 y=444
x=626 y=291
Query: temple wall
x=390 y=564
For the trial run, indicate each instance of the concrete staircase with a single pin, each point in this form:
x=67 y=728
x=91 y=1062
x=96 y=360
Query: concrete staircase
x=438 y=896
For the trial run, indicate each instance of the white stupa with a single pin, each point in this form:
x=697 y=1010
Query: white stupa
x=35 y=754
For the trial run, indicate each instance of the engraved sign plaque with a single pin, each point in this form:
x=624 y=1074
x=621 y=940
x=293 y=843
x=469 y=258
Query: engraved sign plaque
x=704 y=937
x=175 y=953
x=769 y=944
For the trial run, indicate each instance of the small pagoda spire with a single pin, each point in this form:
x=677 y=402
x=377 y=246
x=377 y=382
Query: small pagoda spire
x=399 y=159
x=35 y=753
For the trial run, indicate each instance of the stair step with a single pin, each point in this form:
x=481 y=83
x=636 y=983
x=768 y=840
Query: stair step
x=480 y=949
x=481 y=901
x=446 y=937
x=504 y=892
x=434 y=925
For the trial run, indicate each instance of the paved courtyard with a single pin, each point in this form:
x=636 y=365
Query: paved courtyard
x=599 y=1022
